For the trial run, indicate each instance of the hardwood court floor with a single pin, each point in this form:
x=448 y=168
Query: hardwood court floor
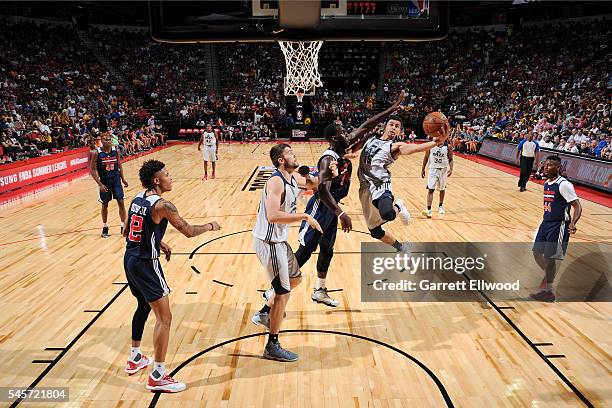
x=66 y=312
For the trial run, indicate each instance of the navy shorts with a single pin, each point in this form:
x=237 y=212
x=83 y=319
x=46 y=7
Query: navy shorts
x=115 y=190
x=326 y=218
x=552 y=239
x=145 y=278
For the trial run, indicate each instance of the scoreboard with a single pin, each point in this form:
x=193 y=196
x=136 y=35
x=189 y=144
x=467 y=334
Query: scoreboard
x=348 y=8
x=386 y=8
x=258 y=20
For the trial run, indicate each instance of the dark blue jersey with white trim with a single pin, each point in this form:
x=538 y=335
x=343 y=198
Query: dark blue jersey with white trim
x=107 y=163
x=143 y=235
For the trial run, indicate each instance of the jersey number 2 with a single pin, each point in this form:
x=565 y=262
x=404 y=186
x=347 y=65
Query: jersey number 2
x=135 y=228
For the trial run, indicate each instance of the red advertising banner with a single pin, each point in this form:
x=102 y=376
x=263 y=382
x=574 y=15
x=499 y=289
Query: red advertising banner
x=26 y=172
x=579 y=169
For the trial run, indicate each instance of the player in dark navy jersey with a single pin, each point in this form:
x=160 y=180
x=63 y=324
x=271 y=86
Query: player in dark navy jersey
x=107 y=171
x=553 y=235
x=324 y=207
x=148 y=218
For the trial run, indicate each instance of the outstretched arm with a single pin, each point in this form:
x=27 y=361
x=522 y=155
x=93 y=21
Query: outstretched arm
x=359 y=136
x=402 y=148
x=165 y=209
x=306 y=181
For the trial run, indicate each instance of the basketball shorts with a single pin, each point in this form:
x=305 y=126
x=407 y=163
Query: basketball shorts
x=210 y=153
x=552 y=239
x=145 y=278
x=437 y=178
x=279 y=262
x=115 y=190
x=366 y=197
x=310 y=237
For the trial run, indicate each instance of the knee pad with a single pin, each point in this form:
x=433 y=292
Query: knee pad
x=388 y=215
x=377 y=232
x=385 y=207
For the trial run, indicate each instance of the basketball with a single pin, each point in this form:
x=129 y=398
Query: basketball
x=433 y=122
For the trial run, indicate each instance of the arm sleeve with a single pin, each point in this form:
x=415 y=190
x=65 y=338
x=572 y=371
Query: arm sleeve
x=567 y=191
x=520 y=145
x=537 y=149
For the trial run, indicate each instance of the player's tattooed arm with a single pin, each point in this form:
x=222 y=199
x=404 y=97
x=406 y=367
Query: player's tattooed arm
x=168 y=210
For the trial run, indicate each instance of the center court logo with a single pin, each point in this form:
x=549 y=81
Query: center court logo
x=423 y=262
x=261 y=174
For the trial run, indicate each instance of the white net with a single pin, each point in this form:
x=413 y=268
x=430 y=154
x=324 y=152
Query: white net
x=302 y=60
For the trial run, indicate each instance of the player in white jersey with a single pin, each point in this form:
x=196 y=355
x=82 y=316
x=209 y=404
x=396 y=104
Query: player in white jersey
x=277 y=209
x=211 y=149
x=375 y=191
x=440 y=160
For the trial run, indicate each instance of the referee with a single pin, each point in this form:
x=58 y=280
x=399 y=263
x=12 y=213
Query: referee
x=528 y=152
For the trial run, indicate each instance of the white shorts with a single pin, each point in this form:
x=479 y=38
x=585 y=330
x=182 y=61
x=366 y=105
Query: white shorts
x=210 y=153
x=370 y=212
x=279 y=262
x=437 y=178
x=377 y=192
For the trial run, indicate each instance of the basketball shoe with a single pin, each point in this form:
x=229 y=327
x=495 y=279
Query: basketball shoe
x=132 y=367
x=320 y=296
x=404 y=213
x=274 y=351
x=165 y=384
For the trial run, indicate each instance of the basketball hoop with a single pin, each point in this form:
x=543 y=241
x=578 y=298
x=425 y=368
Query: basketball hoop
x=302 y=60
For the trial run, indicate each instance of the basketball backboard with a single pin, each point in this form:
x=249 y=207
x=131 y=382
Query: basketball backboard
x=258 y=21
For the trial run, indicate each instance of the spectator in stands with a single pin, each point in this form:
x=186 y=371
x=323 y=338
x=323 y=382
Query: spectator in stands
x=412 y=136
x=547 y=143
x=571 y=147
x=552 y=80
